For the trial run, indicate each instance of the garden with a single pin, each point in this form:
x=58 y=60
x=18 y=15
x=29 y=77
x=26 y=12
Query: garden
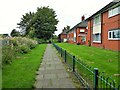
x=21 y=58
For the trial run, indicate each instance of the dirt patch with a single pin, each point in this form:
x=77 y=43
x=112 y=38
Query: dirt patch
x=90 y=62
x=116 y=75
x=109 y=60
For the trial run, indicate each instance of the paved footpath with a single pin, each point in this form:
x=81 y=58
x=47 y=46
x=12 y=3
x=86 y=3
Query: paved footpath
x=52 y=73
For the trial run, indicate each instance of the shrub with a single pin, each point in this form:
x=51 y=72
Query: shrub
x=16 y=45
x=24 y=49
x=23 y=44
x=7 y=54
x=40 y=41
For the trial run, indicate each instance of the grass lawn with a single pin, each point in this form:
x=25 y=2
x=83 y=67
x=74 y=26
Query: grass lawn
x=105 y=60
x=21 y=73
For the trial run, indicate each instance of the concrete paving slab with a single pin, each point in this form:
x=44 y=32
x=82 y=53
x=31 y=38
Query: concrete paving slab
x=52 y=73
x=50 y=76
x=39 y=77
x=62 y=75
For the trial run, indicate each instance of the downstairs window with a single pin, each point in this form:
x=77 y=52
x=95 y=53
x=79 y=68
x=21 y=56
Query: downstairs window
x=97 y=37
x=114 y=34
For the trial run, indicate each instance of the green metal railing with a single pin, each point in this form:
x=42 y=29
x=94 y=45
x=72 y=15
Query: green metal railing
x=90 y=77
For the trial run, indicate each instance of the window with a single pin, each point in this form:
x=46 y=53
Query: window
x=82 y=30
x=67 y=37
x=97 y=20
x=97 y=37
x=74 y=36
x=87 y=27
x=83 y=38
x=114 y=35
x=97 y=29
x=114 y=11
x=74 y=39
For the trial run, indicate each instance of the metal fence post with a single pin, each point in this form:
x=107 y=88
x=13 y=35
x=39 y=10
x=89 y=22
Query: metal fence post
x=58 y=49
x=95 y=78
x=65 y=56
x=61 y=52
x=73 y=59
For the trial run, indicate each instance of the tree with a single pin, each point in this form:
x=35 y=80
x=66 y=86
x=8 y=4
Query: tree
x=25 y=22
x=67 y=28
x=14 y=33
x=31 y=33
x=43 y=22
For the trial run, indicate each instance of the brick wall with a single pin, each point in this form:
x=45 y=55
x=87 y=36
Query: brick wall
x=63 y=36
x=71 y=36
x=79 y=35
x=107 y=24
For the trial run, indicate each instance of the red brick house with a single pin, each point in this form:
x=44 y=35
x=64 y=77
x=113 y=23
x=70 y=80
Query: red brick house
x=104 y=27
x=81 y=32
x=63 y=36
x=70 y=36
x=77 y=34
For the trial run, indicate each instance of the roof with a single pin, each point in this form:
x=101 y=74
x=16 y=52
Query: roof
x=84 y=23
x=107 y=7
x=81 y=24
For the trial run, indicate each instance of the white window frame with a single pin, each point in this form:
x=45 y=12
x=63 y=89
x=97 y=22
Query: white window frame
x=112 y=32
x=87 y=27
x=74 y=38
x=97 y=24
x=114 y=11
x=97 y=20
x=95 y=40
x=82 y=30
x=83 y=38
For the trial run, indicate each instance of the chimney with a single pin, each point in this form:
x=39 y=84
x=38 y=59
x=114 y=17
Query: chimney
x=83 y=18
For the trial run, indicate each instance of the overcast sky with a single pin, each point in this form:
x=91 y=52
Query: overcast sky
x=68 y=12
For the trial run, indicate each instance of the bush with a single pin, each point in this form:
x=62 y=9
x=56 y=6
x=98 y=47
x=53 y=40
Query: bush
x=8 y=54
x=16 y=46
x=24 y=49
x=40 y=41
x=23 y=44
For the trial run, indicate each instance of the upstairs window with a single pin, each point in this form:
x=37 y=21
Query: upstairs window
x=97 y=20
x=74 y=36
x=97 y=29
x=114 y=11
x=114 y=35
x=82 y=30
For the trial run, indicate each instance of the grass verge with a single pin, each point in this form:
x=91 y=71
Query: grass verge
x=21 y=73
x=105 y=60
